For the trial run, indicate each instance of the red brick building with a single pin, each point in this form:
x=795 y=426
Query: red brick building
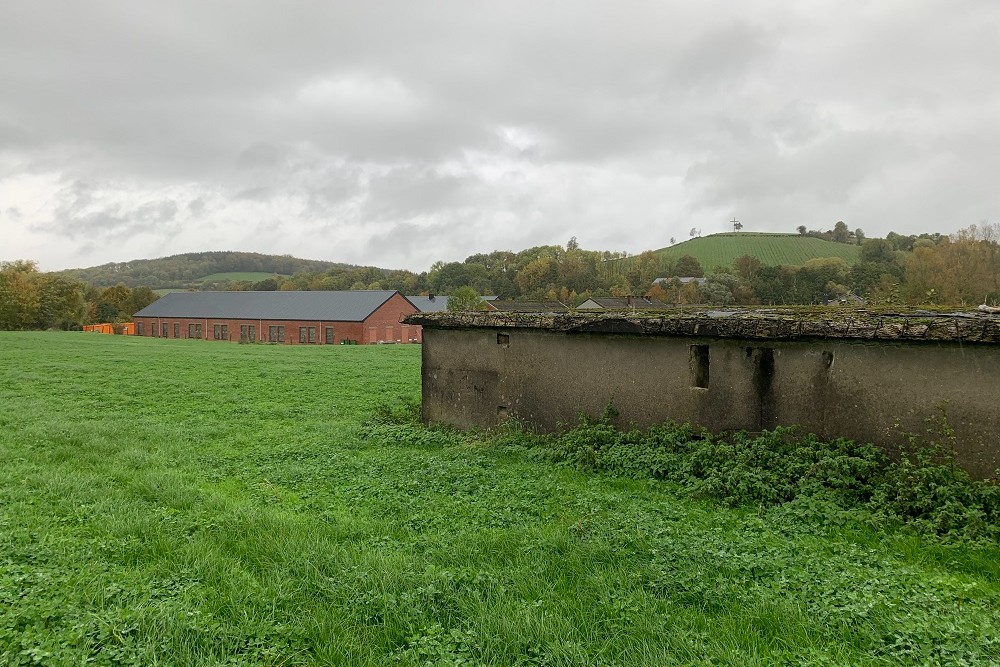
x=293 y=318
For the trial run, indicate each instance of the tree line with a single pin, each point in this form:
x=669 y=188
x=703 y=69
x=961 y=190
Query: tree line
x=961 y=269
x=30 y=299
x=926 y=269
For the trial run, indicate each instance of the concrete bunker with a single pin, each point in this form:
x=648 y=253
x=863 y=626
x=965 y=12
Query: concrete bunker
x=863 y=375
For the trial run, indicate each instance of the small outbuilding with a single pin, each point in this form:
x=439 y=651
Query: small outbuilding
x=310 y=318
x=869 y=376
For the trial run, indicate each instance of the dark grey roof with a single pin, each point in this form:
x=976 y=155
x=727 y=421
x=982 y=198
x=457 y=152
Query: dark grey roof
x=353 y=306
x=430 y=304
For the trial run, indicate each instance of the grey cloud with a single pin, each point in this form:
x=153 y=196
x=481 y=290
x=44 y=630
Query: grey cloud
x=259 y=193
x=82 y=216
x=412 y=192
x=196 y=207
x=827 y=171
x=364 y=116
x=263 y=155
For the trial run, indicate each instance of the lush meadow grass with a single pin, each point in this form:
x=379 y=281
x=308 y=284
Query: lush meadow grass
x=771 y=249
x=173 y=502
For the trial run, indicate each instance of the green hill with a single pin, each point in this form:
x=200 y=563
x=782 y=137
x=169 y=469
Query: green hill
x=194 y=269
x=771 y=249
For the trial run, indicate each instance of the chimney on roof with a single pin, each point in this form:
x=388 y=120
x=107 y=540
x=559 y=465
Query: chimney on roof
x=430 y=297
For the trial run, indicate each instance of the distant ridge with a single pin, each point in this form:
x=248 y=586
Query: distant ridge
x=772 y=249
x=190 y=269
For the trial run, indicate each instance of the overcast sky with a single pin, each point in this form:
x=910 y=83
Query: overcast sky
x=398 y=133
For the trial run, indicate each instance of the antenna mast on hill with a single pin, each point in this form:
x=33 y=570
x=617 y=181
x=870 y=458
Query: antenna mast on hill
x=737 y=225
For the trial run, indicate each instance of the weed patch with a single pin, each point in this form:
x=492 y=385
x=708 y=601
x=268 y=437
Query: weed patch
x=836 y=481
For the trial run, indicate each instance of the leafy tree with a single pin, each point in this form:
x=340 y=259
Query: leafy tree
x=689 y=266
x=719 y=288
x=464 y=299
x=266 y=285
x=532 y=279
x=141 y=297
x=747 y=267
x=61 y=303
x=445 y=278
x=775 y=284
x=19 y=294
x=877 y=259
x=840 y=232
x=33 y=300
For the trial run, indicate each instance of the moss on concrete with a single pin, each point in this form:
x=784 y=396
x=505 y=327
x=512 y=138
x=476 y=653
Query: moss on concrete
x=792 y=323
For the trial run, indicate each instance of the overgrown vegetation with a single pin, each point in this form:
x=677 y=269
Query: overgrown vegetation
x=175 y=503
x=834 y=481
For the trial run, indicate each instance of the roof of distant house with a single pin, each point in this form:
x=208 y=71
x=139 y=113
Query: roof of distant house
x=528 y=306
x=621 y=303
x=432 y=303
x=683 y=280
x=345 y=306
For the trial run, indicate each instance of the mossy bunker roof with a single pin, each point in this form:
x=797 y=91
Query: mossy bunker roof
x=754 y=324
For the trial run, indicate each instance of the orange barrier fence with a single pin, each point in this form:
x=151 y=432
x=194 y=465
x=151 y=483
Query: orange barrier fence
x=126 y=329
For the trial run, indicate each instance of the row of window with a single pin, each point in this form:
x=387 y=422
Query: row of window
x=248 y=332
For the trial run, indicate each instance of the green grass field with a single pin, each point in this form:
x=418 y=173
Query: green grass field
x=771 y=249
x=233 y=276
x=173 y=502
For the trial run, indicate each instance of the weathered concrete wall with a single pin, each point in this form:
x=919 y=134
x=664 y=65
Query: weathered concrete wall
x=868 y=390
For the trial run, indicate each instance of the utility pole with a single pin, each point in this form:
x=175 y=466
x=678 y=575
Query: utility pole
x=737 y=225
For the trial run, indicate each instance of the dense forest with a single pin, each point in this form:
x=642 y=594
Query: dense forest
x=961 y=269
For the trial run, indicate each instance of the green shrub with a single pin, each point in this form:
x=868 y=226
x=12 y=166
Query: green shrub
x=830 y=481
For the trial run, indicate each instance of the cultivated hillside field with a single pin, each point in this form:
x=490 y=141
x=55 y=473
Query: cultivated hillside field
x=175 y=502
x=771 y=249
x=232 y=276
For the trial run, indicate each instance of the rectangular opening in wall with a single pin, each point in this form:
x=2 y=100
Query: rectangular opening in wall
x=503 y=339
x=699 y=366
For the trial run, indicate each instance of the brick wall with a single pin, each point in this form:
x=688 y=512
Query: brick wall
x=381 y=326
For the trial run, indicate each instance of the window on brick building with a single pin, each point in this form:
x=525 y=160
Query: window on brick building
x=194 y=331
x=220 y=331
x=177 y=329
x=307 y=334
x=138 y=328
x=276 y=334
x=329 y=335
x=248 y=333
x=166 y=330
